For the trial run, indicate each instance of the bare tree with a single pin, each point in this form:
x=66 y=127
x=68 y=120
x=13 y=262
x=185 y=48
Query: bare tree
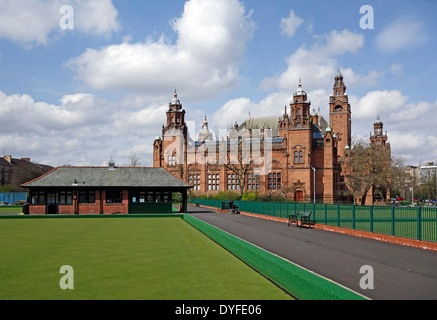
x=368 y=168
x=400 y=180
x=134 y=161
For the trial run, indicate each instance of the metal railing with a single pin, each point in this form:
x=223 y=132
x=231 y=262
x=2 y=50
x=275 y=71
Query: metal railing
x=408 y=222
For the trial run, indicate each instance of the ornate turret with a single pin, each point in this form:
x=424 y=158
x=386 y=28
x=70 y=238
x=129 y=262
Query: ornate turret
x=300 y=108
x=205 y=134
x=175 y=113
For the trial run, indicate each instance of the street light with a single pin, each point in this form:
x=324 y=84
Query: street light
x=314 y=182
x=207 y=183
x=412 y=196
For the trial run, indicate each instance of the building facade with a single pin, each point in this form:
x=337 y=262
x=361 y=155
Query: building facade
x=14 y=172
x=302 y=154
x=105 y=190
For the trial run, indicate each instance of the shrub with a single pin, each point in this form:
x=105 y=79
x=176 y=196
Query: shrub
x=250 y=196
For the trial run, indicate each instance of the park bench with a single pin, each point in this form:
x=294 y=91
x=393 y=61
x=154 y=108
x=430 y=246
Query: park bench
x=301 y=219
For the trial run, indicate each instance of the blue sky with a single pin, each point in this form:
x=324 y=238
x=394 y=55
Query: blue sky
x=80 y=96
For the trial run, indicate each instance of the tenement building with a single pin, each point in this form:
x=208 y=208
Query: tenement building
x=298 y=155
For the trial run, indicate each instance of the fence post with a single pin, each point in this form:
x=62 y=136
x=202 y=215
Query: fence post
x=392 y=221
x=353 y=217
x=314 y=212
x=419 y=223
x=326 y=214
x=371 y=219
x=338 y=215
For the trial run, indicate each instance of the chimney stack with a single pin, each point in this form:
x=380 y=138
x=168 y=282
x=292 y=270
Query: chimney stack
x=8 y=158
x=111 y=165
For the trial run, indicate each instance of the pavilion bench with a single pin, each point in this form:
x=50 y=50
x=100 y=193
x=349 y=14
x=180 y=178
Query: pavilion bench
x=301 y=219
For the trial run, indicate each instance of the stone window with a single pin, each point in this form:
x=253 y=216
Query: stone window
x=298 y=157
x=275 y=181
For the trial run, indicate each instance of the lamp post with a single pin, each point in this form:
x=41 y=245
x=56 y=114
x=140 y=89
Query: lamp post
x=207 y=183
x=412 y=196
x=314 y=182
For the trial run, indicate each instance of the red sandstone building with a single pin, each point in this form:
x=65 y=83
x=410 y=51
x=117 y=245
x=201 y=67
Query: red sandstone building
x=307 y=156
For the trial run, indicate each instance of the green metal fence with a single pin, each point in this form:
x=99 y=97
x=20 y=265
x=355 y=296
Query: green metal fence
x=415 y=223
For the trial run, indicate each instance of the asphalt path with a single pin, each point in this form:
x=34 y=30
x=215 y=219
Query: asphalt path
x=400 y=272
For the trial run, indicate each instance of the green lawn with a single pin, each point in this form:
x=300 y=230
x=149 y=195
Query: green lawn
x=11 y=209
x=122 y=258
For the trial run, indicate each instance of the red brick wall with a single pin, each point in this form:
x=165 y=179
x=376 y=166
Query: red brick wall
x=67 y=210
x=109 y=208
x=89 y=209
x=37 y=210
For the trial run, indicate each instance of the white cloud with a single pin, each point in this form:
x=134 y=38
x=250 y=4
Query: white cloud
x=82 y=130
x=240 y=108
x=339 y=43
x=20 y=113
x=34 y=22
x=379 y=103
x=144 y=121
x=290 y=24
x=317 y=65
x=409 y=125
x=96 y=17
x=211 y=41
x=403 y=33
x=396 y=69
x=395 y=108
x=413 y=147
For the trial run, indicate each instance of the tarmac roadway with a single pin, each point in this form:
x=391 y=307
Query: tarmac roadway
x=400 y=272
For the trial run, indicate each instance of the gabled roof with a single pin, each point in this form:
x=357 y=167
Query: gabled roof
x=96 y=177
x=265 y=122
x=23 y=163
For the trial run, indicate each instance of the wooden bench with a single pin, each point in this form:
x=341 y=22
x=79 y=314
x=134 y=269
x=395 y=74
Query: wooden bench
x=301 y=219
